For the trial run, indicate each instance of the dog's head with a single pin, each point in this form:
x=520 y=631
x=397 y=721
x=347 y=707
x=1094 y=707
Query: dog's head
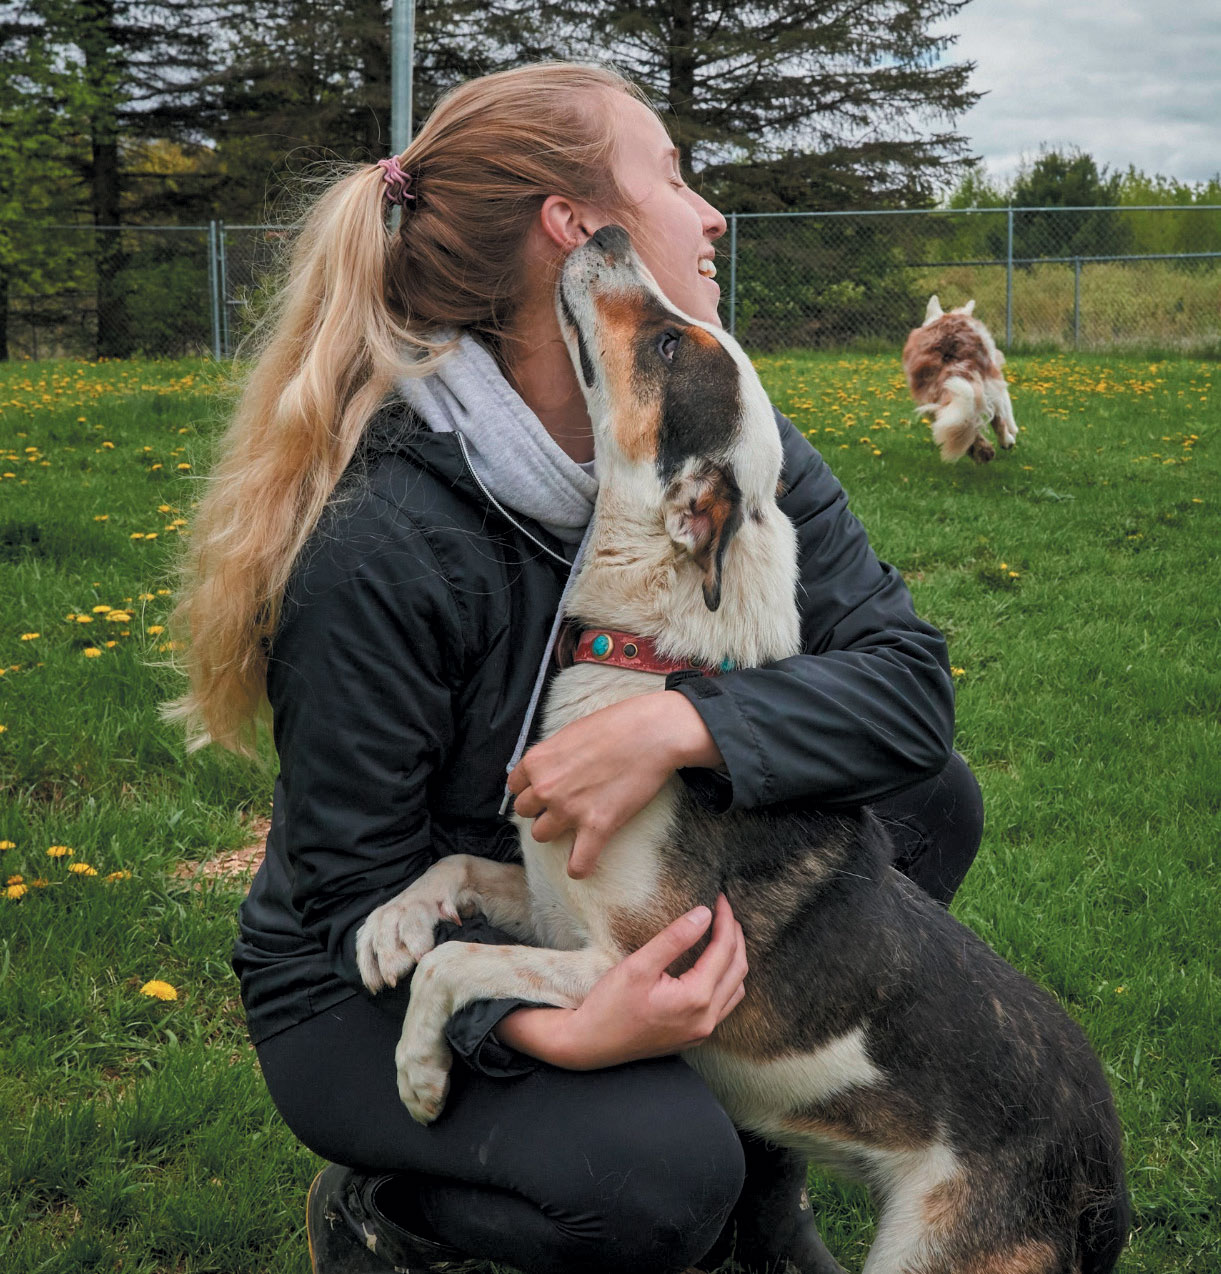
x=678 y=412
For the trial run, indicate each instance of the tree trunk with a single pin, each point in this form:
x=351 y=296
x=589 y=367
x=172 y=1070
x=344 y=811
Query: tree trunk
x=681 y=89
x=114 y=335
x=3 y=316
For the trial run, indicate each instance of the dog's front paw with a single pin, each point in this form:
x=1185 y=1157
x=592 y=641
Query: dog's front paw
x=423 y=1075
x=397 y=936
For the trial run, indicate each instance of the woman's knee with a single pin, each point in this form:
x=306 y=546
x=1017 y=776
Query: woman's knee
x=663 y=1186
x=936 y=828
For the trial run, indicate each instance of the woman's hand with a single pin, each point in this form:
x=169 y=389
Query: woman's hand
x=593 y=775
x=637 y=1009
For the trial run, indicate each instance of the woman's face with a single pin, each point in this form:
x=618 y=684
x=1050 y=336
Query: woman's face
x=674 y=227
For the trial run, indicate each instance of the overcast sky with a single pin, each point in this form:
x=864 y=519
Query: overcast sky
x=1129 y=81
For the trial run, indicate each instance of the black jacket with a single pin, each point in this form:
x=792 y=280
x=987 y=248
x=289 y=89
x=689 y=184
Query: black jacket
x=412 y=630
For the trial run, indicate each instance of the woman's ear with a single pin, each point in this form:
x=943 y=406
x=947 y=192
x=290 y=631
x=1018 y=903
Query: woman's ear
x=567 y=222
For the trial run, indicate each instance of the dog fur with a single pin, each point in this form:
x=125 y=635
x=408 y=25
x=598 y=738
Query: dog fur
x=953 y=370
x=878 y=1035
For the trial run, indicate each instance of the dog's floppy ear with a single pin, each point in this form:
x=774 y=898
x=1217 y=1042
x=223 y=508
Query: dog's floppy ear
x=703 y=510
x=933 y=312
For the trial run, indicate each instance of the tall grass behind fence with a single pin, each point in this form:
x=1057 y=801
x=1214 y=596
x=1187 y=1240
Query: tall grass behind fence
x=1102 y=279
x=1088 y=279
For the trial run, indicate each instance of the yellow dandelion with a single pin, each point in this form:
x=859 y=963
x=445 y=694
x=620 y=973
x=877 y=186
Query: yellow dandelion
x=15 y=880
x=91 y=652
x=163 y=592
x=101 y=517
x=110 y=645
x=159 y=990
x=7 y=844
x=119 y=875
x=154 y=629
x=1013 y=574
x=101 y=610
x=82 y=869
x=137 y=535
x=1004 y=566
x=958 y=672
x=184 y=465
x=60 y=851
x=39 y=883
x=108 y=445
x=80 y=420
x=30 y=636
x=145 y=597
x=118 y=617
x=152 y=535
x=13 y=892
x=156 y=466
x=163 y=508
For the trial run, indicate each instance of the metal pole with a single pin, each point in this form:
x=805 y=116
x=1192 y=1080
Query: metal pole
x=223 y=278
x=1076 y=303
x=1009 y=285
x=214 y=289
x=733 y=272
x=402 y=54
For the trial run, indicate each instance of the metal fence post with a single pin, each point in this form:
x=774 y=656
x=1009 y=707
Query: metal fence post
x=223 y=290
x=214 y=289
x=733 y=272
x=1076 y=303
x=1009 y=284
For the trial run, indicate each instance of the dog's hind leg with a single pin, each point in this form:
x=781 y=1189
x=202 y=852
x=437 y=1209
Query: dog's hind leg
x=1003 y=421
x=954 y=425
x=396 y=935
x=457 y=973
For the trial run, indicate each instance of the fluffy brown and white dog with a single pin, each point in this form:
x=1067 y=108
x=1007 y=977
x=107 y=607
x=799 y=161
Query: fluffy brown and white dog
x=878 y=1035
x=953 y=370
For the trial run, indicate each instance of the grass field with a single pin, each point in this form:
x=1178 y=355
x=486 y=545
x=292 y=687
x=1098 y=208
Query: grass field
x=1075 y=578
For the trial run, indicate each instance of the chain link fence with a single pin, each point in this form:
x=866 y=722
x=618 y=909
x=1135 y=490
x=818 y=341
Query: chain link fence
x=1135 y=278
x=1114 y=278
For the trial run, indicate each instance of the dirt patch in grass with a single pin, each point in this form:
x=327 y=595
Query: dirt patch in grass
x=239 y=865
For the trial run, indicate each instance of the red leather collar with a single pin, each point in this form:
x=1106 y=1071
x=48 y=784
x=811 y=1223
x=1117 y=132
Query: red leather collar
x=624 y=650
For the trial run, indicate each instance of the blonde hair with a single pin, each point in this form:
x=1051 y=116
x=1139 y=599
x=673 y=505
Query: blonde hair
x=359 y=307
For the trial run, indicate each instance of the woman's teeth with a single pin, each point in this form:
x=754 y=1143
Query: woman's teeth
x=707 y=269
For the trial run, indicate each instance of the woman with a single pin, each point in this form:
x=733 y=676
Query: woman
x=379 y=557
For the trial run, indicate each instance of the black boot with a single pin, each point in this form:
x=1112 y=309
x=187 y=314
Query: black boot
x=771 y=1229
x=350 y=1233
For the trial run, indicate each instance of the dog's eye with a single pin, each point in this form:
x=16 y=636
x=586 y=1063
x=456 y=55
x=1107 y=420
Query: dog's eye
x=667 y=346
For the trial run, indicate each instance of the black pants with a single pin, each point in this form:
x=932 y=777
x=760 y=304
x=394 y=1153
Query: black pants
x=632 y=1168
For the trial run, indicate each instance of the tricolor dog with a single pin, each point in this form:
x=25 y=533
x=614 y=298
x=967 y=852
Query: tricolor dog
x=878 y=1035
x=953 y=370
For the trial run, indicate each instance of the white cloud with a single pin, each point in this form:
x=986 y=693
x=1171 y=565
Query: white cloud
x=1131 y=82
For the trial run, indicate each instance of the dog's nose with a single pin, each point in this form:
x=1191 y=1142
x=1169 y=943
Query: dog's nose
x=613 y=240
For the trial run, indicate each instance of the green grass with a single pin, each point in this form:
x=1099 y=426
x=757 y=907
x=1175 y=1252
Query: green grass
x=1075 y=578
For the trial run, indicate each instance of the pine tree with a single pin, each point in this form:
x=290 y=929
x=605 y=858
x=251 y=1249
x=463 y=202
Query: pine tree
x=798 y=104
x=125 y=72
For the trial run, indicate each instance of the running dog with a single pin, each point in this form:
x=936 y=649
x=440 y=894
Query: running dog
x=878 y=1035
x=953 y=370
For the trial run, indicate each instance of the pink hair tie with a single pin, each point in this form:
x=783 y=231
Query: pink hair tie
x=398 y=181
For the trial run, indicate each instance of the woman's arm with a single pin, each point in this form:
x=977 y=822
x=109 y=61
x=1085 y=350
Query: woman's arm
x=638 y=1010
x=866 y=710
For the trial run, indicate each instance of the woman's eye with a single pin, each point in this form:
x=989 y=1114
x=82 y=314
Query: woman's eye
x=667 y=345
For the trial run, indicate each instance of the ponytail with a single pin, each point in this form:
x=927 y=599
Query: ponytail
x=362 y=306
